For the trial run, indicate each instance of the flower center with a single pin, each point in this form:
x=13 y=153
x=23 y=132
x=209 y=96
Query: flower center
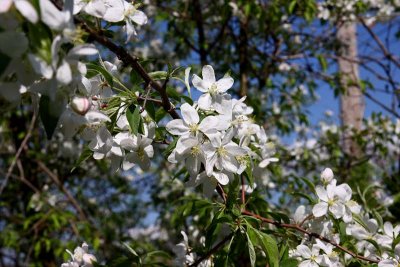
x=129 y=11
x=213 y=89
x=193 y=128
x=195 y=151
x=243 y=160
x=221 y=151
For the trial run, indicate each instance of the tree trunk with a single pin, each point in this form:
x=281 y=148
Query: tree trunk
x=352 y=103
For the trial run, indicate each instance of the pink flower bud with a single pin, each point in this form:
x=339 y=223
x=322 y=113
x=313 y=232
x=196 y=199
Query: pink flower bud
x=80 y=105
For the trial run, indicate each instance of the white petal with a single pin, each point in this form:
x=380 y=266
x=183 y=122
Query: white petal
x=192 y=165
x=303 y=251
x=189 y=114
x=321 y=193
x=388 y=229
x=95 y=117
x=5 y=5
x=64 y=73
x=200 y=84
x=177 y=127
x=149 y=150
x=209 y=125
x=96 y=8
x=235 y=150
x=129 y=144
x=82 y=50
x=40 y=66
x=224 y=84
x=184 y=145
x=115 y=11
x=337 y=210
x=229 y=163
x=130 y=31
x=208 y=74
x=205 y=101
x=320 y=209
x=50 y=15
x=78 y=5
x=139 y=17
x=27 y=10
x=222 y=178
x=210 y=163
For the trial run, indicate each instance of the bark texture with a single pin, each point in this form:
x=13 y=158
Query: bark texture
x=352 y=102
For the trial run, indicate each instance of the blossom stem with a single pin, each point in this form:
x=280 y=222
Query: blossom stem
x=243 y=191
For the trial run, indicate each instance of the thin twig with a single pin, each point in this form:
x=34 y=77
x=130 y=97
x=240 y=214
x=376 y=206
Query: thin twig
x=19 y=151
x=221 y=192
x=68 y=194
x=310 y=234
x=243 y=191
x=212 y=251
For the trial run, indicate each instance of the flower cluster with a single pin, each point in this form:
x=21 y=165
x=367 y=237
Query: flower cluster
x=80 y=257
x=347 y=10
x=215 y=135
x=335 y=204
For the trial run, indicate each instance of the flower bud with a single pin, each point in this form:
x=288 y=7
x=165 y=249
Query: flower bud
x=80 y=105
x=327 y=175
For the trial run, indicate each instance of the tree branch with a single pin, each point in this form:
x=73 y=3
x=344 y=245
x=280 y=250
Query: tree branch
x=132 y=61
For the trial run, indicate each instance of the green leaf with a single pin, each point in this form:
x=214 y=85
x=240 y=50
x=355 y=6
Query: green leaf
x=270 y=248
x=86 y=154
x=158 y=75
x=151 y=111
x=187 y=99
x=322 y=62
x=290 y=263
x=252 y=252
x=292 y=6
x=312 y=201
x=309 y=183
x=92 y=67
x=160 y=114
x=267 y=243
x=134 y=118
x=134 y=253
x=172 y=93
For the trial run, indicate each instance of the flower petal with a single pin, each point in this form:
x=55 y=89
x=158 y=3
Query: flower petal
x=208 y=74
x=177 y=127
x=189 y=114
x=200 y=84
x=224 y=84
x=320 y=209
x=27 y=10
